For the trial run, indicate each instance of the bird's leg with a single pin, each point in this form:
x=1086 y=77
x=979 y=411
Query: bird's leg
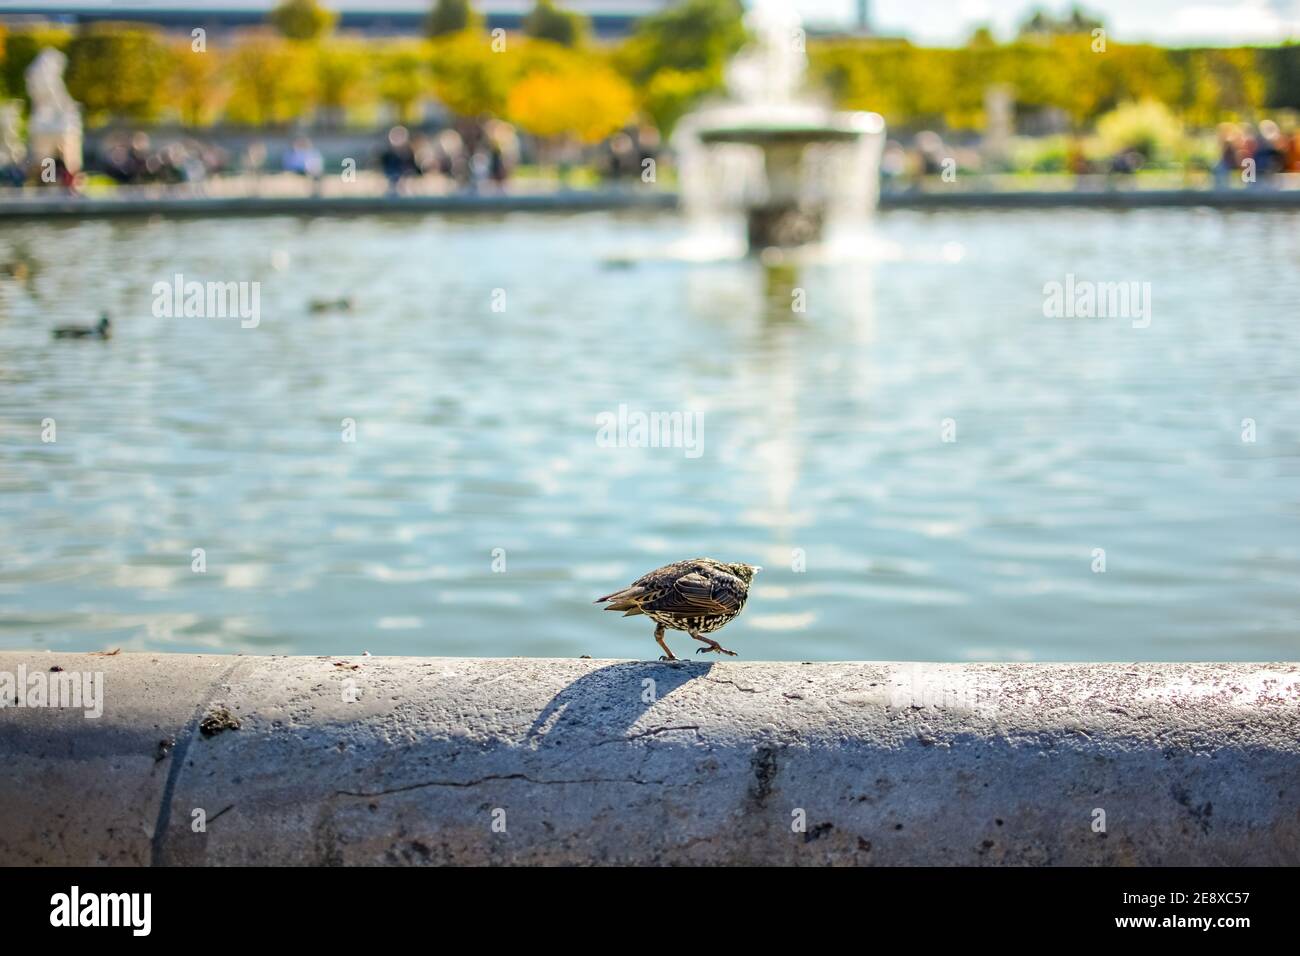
x=713 y=646
x=659 y=636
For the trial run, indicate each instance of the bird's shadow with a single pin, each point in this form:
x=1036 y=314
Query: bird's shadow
x=609 y=700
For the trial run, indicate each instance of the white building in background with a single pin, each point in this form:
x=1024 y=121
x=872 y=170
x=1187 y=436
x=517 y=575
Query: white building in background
x=379 y=17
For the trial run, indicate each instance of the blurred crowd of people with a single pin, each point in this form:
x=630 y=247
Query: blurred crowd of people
x=133 y=160
x=472 y=156
x=477 y=156
x=467 y=156
x=1255 y=154
x=1245 y=155
x=629 y=154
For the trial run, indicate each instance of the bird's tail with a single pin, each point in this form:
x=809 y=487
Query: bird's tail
x=624 y=600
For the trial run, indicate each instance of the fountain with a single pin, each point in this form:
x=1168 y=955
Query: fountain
x=787 y=163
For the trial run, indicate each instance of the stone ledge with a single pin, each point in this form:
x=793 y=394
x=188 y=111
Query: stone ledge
x=586 y=761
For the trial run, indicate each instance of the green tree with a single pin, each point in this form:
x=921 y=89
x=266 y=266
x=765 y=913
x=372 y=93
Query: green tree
x=669 y=96
x=694 y=35
x=450 y=16
x=20 y=48
x=302 y=19
x=1281 y=67
x=116 y=70
x=678 y=56
x=549 y=22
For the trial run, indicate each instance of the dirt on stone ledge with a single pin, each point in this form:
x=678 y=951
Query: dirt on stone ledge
x=219 y=719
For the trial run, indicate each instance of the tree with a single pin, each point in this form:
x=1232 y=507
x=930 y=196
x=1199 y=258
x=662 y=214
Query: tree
x=450 y=16
x=585 y=105
x=302 y=19
x=695 y=35
x=116 y=70
x=678 y=56
x=1281 y=67
x=669 y=96
x=1220 y=84
x=548 y=22
x=20 y=48
x=273 y=80
x=404 y=76
x=1147 y=127
x=341 y=78
x=195 y=83
x=468 y=77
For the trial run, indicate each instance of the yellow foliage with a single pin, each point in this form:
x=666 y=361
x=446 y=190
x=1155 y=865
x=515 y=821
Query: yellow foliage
x=274 y=80
x=196 y=83
x=919 y=85
x=468 y=77
x=585 y=105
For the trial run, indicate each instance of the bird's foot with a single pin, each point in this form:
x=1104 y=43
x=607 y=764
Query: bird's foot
x=667 y=657
x=716 y=647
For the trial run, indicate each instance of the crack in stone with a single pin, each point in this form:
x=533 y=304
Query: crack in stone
x=649 y=733
x=492 y=777
x=747 y=690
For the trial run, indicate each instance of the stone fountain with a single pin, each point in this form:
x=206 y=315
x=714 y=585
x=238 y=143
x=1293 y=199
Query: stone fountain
x=785 y=162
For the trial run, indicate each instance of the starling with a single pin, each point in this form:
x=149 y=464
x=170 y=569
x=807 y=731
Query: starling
x=697 y=596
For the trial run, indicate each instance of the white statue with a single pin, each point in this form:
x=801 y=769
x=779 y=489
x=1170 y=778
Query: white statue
x=55 y=125
x=12 y=150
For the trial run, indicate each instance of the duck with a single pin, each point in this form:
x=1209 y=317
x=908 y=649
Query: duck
x=343 y=304
x=103 y=329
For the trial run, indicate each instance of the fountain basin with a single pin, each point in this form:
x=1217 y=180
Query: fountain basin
x=773 y=151
x=408 y=760
x=792 y=167
x=801 y=135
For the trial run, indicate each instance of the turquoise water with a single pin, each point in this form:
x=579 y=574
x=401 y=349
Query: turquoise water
x=822 y=434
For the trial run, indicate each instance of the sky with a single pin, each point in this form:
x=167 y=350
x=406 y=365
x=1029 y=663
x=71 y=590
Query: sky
x=948 y=22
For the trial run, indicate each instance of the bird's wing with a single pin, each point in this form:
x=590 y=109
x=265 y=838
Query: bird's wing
x=693 y=594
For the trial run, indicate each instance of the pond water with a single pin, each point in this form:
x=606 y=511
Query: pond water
x=927 y=466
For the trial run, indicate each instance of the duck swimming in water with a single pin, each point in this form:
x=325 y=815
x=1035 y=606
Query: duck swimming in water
x=343 y=304
x=103 y=329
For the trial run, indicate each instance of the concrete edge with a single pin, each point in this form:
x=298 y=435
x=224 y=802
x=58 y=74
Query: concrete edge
x=613 y=200
x=212 y=759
